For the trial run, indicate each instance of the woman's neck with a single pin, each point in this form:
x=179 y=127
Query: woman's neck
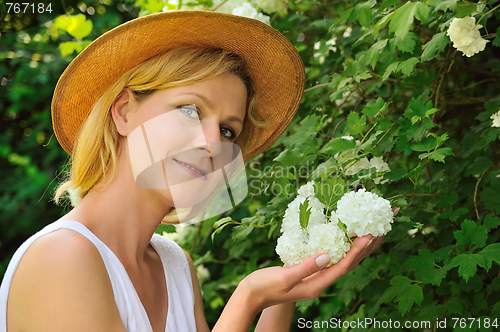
x=122 y=215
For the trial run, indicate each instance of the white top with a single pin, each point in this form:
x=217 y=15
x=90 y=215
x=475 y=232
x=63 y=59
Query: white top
x=180 y=316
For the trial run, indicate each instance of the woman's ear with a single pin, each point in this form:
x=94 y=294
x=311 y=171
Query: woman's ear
x=120 y=110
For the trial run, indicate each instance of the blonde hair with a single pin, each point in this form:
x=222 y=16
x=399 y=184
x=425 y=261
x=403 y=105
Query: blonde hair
x=95 y=153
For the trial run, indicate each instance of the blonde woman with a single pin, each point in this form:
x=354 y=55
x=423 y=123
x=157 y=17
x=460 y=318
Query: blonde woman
x=100 y=267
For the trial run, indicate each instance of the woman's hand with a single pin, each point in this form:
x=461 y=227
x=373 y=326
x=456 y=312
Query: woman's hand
x=306 y=280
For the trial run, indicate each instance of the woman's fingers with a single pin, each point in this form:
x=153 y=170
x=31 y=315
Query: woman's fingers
x=308 y=267
x=395 y=210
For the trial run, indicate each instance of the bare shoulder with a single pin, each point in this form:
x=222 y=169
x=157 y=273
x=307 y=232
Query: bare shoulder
x=61 y=284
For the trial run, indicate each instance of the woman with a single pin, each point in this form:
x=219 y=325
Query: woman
x=191 y=83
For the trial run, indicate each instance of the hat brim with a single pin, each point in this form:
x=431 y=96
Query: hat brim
x=274 y=66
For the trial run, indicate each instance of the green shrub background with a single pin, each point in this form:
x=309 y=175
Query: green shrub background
x=384 y=72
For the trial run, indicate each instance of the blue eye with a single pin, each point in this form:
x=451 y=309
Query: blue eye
x=190 y=111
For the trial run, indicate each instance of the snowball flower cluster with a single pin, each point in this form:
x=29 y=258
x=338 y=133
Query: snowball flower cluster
x=362 y=212
x=365 y=213
x=465 y=35
x=296 y=243
x=496 y=119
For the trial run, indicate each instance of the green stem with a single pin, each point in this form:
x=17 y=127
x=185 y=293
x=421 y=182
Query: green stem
x=483 y=15
x=369 y=131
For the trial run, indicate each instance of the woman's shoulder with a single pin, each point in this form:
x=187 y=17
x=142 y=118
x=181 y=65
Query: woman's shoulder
x=56 y=269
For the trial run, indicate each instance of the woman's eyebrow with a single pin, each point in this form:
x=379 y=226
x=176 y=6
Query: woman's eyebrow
x=212 y=106
x=203 y=98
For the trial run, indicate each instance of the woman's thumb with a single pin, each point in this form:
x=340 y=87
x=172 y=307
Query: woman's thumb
x=309 y=266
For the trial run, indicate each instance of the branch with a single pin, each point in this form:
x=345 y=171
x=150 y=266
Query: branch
x=380 y=140
x=335 y=130
x=475 y=191
x=317 y=86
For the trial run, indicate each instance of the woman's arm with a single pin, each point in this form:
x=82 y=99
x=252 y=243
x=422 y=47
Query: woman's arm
x=276 y=318
x=61 y=284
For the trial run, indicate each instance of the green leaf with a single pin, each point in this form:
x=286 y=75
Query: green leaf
x=165 y=228
x=374 y=52
x=381 y=23
x=417 y=132
x=434 y=46
x=437 y=155
x=447 y=199
x=374 y=108
x=405 y=293
x=406 y=67
x=421 y=11
x=444 y=5
x=67 y=48
x=330 y=191
x=344 y=16
x=425 y=146
x=79 y=27
x=432 y=276
x=337 y=145
x=491 y=253
x=289 y=157
x=417 y=110
x=407 y=44
x=362 y=76
x=424 y=261
x=471 y=233
x=241 y=232
x=363 y=12
x=404 y=16
x=453 y=215
x=355 y=124
x=464 y=9
x=390 y=69
x=415 y=171
x=467 y=264
x=304 y=214
x=455 y=306
x=496 y=41
x=271 y=230
x=490 y=222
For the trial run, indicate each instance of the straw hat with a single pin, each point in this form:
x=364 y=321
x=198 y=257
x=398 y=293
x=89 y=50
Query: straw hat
x=274 y=65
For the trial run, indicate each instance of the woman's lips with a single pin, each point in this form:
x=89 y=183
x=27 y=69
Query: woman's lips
x=192 y=169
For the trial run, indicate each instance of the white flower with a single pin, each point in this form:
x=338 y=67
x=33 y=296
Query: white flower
x=292 y=247
x=496 y=119
x=465 y=35
x=247 y=10
x=348 y=137
x=202 y=273
x=330 y=239
x=296 y=243
x=365 y=213
x=291 y=219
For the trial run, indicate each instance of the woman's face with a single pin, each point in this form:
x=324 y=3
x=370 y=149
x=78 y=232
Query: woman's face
x=180 y=138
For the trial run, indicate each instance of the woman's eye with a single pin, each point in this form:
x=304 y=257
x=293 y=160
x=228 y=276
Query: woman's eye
x=190 y=111
x=227 y=133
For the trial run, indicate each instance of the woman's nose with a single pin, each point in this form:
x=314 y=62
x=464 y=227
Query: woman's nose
x=211 y=138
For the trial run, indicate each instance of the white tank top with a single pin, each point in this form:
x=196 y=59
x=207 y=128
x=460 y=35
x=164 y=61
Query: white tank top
x=180 y=316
